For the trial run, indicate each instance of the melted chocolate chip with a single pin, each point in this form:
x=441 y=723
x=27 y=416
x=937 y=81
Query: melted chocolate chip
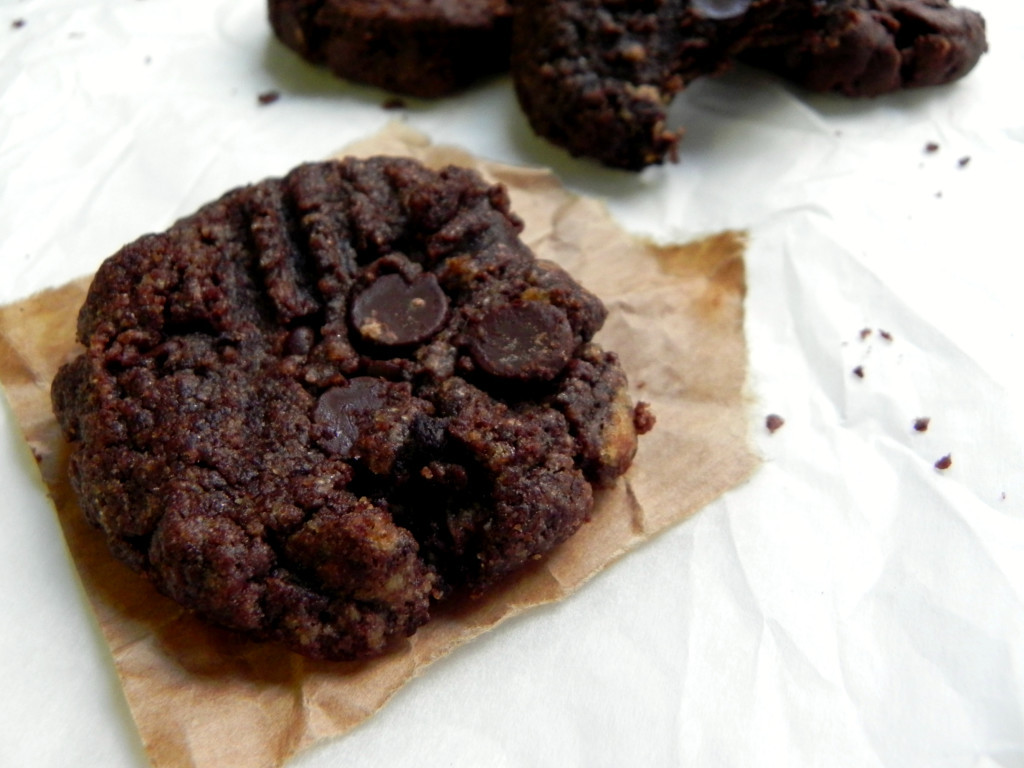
x=392 y=311
x=299 y=341
x=340 y=411
x=720 y=9
x=528 y=340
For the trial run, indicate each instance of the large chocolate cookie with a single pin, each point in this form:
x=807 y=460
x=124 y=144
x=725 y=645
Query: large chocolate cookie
x=417 y=47
x=596 y=76
x=323 y=402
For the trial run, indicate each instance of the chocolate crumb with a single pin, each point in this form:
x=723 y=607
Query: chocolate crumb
x=945 y=462
x=643 y=418
x=963 y=161
x=394 y=103
x=17 y=24
x=774 y=422
x=859 y=371
x=268 y=97
x=864 y=333
x=885 y=334
x=931 y=147
x=921 y=424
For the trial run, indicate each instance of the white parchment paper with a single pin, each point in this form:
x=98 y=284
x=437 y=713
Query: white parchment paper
x=851 y=605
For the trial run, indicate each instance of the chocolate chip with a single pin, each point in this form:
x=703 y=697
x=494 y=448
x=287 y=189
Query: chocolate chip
x=299 y=341
x=773 y=422
x=392 y=311
x=921 y=425
x=340 y=411
x=944 y=463
x=528 y=340
x=720 y=9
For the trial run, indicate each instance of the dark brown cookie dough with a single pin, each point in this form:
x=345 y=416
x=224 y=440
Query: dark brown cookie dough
x=323 y=402
x=871 y=47
x=421 y=48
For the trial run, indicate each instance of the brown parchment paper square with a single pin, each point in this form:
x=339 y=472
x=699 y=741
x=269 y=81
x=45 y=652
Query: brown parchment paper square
x=203 y=698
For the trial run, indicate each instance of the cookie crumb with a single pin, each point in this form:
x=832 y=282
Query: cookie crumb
x=859 y=371
x=921 y=424
x=963 y=161
x=393 y=103
x=931 y=147
x=643 y=418
x=944 y=463
x=268 y=97
x=774 y=422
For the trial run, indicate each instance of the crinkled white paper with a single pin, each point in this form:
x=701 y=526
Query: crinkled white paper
x=851 y=606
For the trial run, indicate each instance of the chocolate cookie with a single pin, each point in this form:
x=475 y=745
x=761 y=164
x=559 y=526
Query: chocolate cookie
x=596 y=76
x=871 y=47
x=416 y=47
x=323 y=402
